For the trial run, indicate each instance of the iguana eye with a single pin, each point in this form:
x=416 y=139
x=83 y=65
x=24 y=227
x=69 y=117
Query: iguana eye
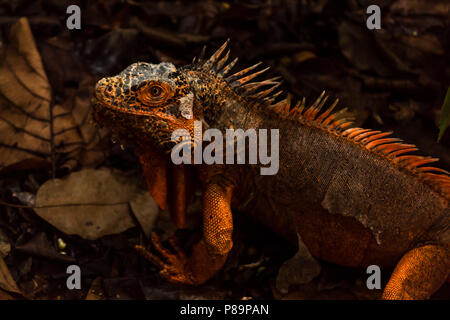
x=155 y=91
x=155 y=94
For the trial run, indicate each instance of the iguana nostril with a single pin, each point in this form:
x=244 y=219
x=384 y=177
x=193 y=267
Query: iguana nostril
x=100 y=87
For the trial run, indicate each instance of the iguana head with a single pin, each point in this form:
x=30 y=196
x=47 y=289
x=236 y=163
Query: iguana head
x=146 y=100
x=150 y=101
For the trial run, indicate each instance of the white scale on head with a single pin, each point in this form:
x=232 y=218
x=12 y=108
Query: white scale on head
x=186 y=102
x=186 y=106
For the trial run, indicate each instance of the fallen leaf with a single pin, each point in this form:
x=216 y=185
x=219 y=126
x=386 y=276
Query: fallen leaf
x=40 y=246
x=300 y=269
x=6 y=280
x=34 y=131
x=94 y=203
x=5 y=246
x=5 y=296
x=96 y=291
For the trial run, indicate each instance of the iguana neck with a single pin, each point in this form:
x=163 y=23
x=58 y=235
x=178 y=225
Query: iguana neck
x=218 y=106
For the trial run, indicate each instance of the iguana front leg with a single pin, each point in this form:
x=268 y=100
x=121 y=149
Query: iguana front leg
x=419 y=273
x=210 y=253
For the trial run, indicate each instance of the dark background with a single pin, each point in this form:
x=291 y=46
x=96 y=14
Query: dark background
x=392 y=79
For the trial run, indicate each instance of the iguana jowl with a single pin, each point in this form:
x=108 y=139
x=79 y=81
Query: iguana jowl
x=355 y=196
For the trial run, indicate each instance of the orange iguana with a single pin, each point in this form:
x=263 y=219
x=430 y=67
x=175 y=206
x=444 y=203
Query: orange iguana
x=355 y=196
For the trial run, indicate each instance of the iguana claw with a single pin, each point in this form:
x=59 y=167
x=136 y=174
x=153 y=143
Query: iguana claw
x=174 y=266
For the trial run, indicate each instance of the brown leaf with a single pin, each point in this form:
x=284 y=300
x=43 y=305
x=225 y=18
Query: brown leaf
x=40 y=246
x=5 y=296
x=93 y=203
x=300 y=269
x=96 y=291
x=145 y=210
x=6 y=280
x=33 y=130
x=5 y=246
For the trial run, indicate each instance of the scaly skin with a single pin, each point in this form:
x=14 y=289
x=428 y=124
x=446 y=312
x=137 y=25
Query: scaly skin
x=354 y=195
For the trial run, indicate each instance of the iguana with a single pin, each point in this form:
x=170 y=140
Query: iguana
x=355 y=196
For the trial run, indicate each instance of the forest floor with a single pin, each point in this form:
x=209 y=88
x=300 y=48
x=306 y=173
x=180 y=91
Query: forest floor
x=55 y=163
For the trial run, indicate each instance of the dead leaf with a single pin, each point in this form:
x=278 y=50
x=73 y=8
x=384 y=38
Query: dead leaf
x=33 y=130
x=94 y=203
x=6 y=280
x=96 y=291
x=300 y=269
x=5 y=246
x=145 y=210
x=5 y=296
x=40 y=246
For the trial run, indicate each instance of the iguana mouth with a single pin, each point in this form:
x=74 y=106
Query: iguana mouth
x=102 y=96
x=99 y=88
x=98 y=98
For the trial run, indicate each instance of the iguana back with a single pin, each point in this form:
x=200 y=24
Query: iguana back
x=343 y=198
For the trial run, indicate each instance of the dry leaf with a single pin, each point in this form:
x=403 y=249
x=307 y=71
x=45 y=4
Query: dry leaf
x=96 y=290
x=34 y=131
x=145 y=210
x=5 y=246
x=5 y=296
x=40 y=246
x=300 y=269
x=6 y=280
x=94 y=203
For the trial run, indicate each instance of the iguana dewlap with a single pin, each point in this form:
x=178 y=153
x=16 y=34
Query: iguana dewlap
x=356 y=196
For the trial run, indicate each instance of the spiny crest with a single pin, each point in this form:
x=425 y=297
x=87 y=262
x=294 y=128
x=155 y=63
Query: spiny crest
x=218 y=64
x=375 y=141
x=334 y=122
